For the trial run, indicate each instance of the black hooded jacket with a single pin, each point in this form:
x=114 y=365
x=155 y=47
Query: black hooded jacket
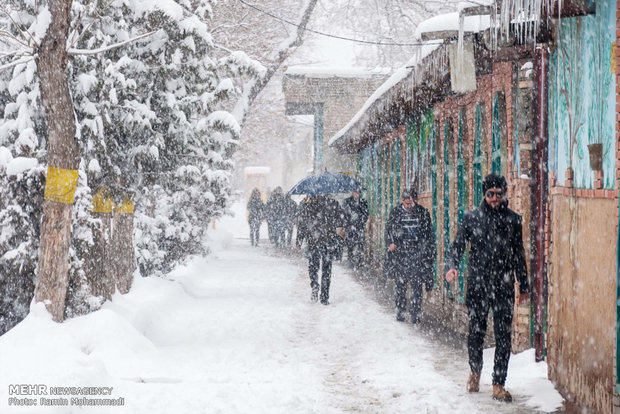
x=319 y=217
x=496 y=253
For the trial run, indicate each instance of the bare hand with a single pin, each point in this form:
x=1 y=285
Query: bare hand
x=452 y=275
x=392 y=247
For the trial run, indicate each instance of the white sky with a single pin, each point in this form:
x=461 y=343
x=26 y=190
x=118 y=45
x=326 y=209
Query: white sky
x=236 y=333
x=324 y=51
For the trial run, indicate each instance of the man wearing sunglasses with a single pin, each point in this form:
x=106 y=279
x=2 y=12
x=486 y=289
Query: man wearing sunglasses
x=496 y=256
x=411 y=253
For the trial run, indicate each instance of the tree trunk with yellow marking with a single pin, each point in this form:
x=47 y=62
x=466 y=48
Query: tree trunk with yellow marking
x=63 y=152
x=124 y=261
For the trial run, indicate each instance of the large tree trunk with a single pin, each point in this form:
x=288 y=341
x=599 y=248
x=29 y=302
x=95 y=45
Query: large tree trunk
x=63 y=160
x=123 y=263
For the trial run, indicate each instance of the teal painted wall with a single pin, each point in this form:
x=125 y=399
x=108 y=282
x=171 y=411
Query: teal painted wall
x=582 y=95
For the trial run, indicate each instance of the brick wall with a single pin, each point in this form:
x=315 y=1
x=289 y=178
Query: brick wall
x=501 y=80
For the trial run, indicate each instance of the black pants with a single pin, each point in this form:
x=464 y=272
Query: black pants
x=478 y=310
x=406 y=274
x=355 y=247
x=270 y=231
x=254 y=232
x=318 y=257
x=278 y=235
x=288 y=229
x=400 y=296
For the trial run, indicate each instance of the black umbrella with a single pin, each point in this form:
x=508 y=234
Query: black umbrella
x=326 y=183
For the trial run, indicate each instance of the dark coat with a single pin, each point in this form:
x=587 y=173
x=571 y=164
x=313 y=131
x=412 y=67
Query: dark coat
x=290 y=211
x=356 y=214
x=256 y=210
x=496 y=252
x=276 y=210
x=423 y=256
x=318 y=219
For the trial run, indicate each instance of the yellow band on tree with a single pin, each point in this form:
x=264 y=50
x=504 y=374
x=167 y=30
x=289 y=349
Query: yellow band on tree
x=60 y=185
x=101 y=202
x=126 y=207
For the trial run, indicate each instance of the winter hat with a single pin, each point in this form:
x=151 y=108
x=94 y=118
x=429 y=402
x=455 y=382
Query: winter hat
x=405 y=194
x=494 y=181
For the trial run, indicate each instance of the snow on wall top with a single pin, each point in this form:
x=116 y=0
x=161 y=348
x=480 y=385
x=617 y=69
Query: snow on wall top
x=450 y=22
x=389 y=84
x=335 y=71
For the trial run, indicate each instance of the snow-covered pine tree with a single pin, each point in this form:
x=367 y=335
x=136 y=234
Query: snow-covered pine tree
x=151 y=122
x=22 y=169
x=21 y=181
x=153 y=115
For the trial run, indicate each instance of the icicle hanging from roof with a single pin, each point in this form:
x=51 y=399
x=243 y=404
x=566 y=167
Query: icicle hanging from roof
x=525 y=15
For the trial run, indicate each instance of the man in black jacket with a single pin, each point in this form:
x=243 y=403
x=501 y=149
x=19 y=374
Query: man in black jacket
x=356 y=210
x=410 y=240
x=496 y=256
x=321 y=222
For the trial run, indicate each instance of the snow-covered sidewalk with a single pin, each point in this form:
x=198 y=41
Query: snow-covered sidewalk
x=236 y=333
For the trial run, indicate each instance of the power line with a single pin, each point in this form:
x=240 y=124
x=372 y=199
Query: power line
x=331 y=35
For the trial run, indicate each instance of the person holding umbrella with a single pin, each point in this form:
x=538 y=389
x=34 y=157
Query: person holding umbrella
x=321 y=223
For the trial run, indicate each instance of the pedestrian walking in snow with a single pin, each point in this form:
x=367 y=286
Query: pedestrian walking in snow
x=256 y=213
x=290 y=218
x=356 y=211
x=275 y=217
x=411 y=253
x=496 y=256
x=321 y=221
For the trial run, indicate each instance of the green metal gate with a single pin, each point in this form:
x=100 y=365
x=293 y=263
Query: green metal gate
x=462 y=198
x=478 y=159
x=447 y=136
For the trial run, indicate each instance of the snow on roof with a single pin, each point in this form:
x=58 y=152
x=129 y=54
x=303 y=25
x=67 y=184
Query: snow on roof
x=474 y=3
x=322 y=71
x=449 y=22
x=256 y=170
x=390 y=83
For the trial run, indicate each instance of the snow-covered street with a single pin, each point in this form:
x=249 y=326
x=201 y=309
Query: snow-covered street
x=236 y=332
